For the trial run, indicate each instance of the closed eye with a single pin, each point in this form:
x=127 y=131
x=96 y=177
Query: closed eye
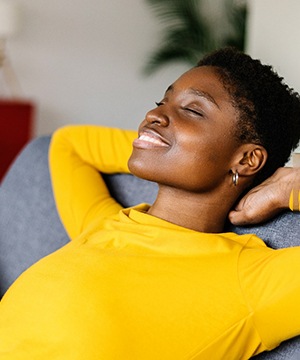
x=196 y=112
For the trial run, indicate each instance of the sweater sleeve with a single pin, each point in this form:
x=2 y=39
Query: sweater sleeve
x=77 y=155
x=270 y=280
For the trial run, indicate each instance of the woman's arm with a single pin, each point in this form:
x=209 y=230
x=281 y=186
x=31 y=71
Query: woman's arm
x=77 y=154
x=269 y=198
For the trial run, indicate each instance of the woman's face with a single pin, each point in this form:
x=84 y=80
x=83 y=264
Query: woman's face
x=188 y=140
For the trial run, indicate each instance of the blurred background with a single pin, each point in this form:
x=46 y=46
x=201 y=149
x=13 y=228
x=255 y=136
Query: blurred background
x=107 y=61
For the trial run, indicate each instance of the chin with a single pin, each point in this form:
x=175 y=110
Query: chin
x=136 y=168
x=139 y=169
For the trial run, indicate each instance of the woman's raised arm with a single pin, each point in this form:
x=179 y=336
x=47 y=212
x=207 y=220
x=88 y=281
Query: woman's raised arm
x=77 y=155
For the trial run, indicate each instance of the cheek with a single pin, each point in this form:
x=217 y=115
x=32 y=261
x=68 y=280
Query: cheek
x=204 y=164
x=195 y=165
x=214 y=148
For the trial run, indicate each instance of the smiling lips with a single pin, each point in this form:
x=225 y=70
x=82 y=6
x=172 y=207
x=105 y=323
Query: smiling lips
x=148 y=140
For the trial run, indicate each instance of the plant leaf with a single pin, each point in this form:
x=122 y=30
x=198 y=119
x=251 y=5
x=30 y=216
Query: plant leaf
x=187 y=34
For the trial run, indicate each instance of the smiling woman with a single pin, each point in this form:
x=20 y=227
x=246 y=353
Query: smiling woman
x=191 y=131
x=164 y=281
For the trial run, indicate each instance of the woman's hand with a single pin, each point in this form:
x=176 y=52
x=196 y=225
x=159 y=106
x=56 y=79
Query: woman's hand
x=267 y=199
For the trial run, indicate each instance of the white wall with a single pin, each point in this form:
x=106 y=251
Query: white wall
x=82 y=61
x=273 y=37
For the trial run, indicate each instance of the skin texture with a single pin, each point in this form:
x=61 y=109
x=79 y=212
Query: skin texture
x=187 y=145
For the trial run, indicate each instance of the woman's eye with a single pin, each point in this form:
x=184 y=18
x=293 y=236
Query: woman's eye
x=196 y=112
x=159 y=103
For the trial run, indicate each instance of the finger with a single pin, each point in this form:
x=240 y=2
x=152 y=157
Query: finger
x=238 y=217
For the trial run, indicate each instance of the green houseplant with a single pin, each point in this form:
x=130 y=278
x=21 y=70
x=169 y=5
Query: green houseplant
x=189 y=33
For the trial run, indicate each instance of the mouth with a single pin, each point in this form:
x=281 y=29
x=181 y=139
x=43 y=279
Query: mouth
x=150 y=139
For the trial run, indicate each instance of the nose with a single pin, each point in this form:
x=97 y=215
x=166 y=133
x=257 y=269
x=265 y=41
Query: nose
x=157 y=116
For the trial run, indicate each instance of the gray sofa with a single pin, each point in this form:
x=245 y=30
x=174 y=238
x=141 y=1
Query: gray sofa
x=30 y=227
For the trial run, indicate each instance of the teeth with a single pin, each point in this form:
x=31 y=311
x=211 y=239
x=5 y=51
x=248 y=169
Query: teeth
x=150 y=139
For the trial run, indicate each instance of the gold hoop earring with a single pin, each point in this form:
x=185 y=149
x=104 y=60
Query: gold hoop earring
x=235 y=178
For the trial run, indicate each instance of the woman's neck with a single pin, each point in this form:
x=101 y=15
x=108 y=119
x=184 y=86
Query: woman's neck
x=199 y=212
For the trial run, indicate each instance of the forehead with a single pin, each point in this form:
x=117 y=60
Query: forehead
x=204 y=79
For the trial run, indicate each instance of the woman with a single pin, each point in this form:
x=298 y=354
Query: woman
x=163 y=281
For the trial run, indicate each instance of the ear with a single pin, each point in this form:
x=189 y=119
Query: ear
x=249 y=159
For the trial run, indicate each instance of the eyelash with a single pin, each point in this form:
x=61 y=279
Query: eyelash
x=194 y=111
x=159 y=103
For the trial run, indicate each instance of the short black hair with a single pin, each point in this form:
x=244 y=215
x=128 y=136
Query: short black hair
x=269 y=110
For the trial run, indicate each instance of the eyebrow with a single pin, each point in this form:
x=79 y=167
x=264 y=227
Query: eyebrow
x=205 y=95
x=199 y=93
